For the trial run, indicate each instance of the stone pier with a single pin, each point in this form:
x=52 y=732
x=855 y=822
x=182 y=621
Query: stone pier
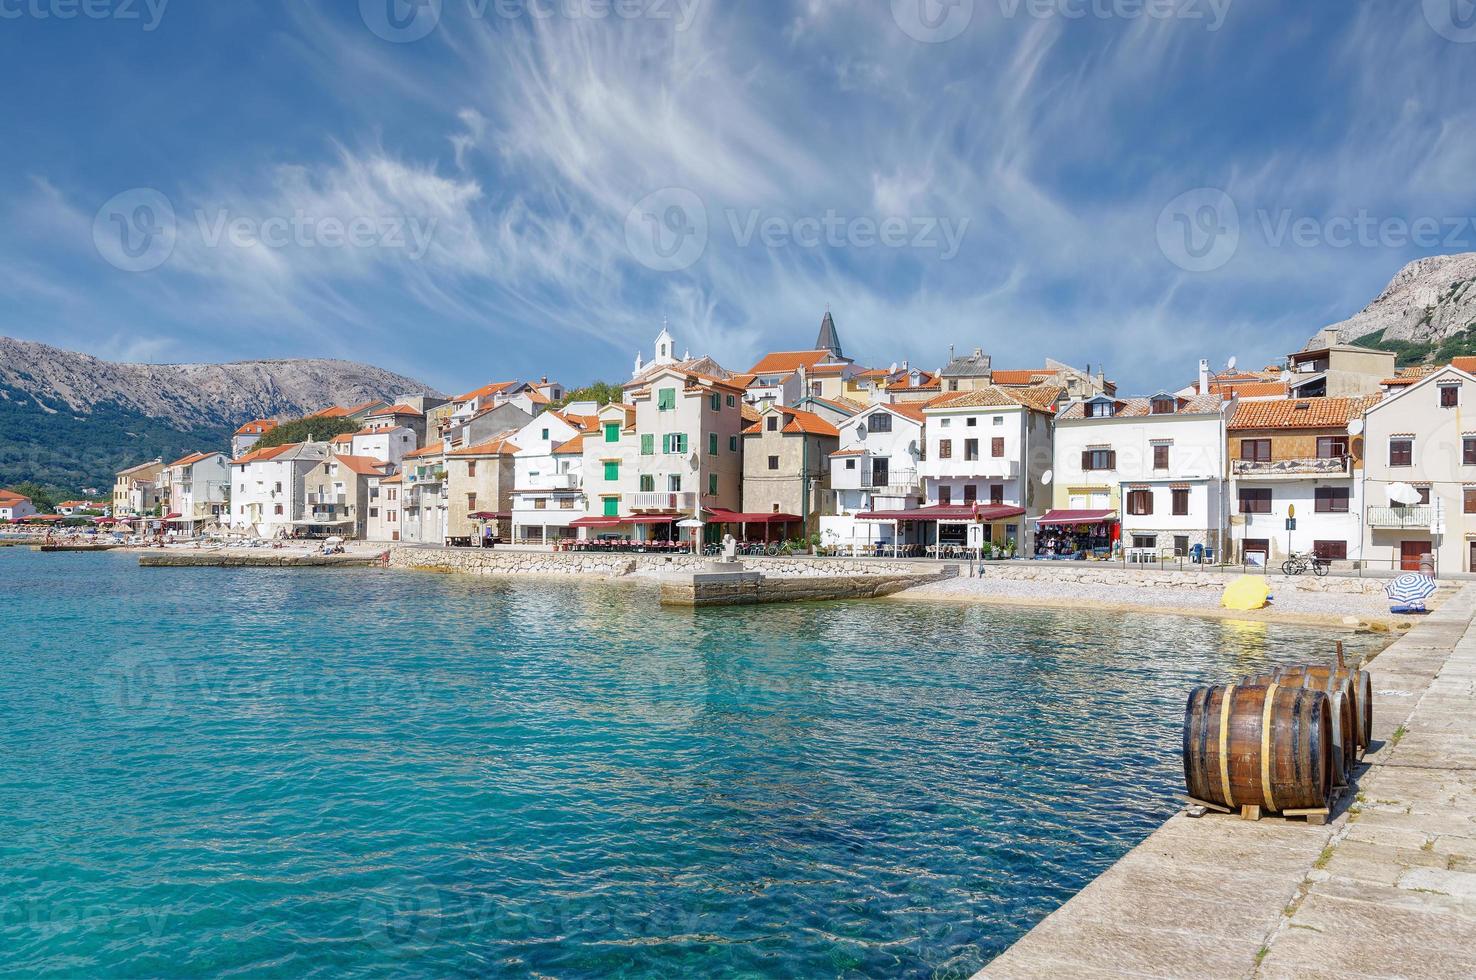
x=1388 y=888
x=740 y=585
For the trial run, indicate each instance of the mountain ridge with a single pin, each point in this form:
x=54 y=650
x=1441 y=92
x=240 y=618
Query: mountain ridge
x=71 y=420
x=1428 y=309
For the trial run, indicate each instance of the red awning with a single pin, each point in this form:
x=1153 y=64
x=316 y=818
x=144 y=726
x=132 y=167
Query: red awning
x=729 y=517
x=985 y=513
x=487 y=515
x=597 y=522
x=172 y=517
x=1068 y=518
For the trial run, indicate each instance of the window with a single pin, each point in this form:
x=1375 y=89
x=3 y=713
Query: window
x=772 y=423
x=1181 y=545
x=471 y=502
x=712 y=484
x=648 y=445
x=971 y=494
x=1101 y=410
x=666 y=399
x=971 y=449
x=996 y=494
x=773 y=462
x=1140 y=502
x=612 y=507
x=732 y=444
x=278 y=511
x=471 y=468
x=996 y=448
x=972 y=423
x=945 y=449
x=674 y=483
x=1160 y=457
x=545 y=435
x=944 y=423
x=612 y=431
x=612 y=470
x=850 y=464
x=945 y=496
x=1468 y=497
x=879 y=422
x=715 y=402
x=1332 y=500
x=1180 y=497
x=1255 y=450
x=674 y=443
x=1331 y=550
x=1255 y=501
x=1163 y=406
x=712 y=444
x=648 y=483
x=1401 y=452
x=1450 y=396
x=1468 y=452
x=731 y=403
x=1098 y=459
x=540 y=503
x=1332 y=447
x=998 y=420
x=1145 y=541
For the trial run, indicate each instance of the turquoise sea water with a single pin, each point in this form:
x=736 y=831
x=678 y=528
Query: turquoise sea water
x=369 y=773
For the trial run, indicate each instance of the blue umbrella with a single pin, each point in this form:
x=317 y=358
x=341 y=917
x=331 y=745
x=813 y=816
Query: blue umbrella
x=1410 y=588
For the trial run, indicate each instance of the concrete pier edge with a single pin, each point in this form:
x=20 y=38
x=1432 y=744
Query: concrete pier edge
x=1387 y=888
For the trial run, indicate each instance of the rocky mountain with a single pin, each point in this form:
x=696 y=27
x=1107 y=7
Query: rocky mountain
x=1429 y=305
x=70 y=421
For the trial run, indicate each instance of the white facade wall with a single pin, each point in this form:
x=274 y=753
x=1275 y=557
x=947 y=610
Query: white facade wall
x=268 y=495
x=851 y=477
x=548 y=490
x=389 y=445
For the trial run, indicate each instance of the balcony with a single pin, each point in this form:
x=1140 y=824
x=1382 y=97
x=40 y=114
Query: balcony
x=327 y=499
x=663 y=501
x=564 y=481
x=1284 y=469
x=1401 y=518
x=894 y=482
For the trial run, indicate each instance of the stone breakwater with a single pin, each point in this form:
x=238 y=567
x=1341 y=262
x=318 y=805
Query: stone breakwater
x=265 y=559
x=595 y=564
x=749 y=588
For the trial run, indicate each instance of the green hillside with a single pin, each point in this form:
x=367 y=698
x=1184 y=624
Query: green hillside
x=1462 y=344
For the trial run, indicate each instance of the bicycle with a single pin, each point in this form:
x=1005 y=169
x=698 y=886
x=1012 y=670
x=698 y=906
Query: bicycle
x=1301 y=564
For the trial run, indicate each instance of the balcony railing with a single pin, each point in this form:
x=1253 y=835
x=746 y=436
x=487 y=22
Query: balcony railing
x=1401 y=517
x=327 y=499
x=663 y=501
x=897 y=481
x=1274 y=468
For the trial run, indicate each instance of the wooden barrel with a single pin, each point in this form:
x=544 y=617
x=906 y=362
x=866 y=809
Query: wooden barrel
x=1340 y=708
x=1360 y=688
x=1264 y=745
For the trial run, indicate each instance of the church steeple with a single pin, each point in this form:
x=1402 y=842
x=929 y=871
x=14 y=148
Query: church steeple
x=829 y=338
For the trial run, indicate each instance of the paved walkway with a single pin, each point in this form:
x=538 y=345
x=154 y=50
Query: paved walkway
x=1387 y=889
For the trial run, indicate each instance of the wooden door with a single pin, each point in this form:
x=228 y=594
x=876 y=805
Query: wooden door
x=1414 y=555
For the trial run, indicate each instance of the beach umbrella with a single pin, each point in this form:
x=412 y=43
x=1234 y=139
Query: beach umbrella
x=1246 y=592
x=1410 y=589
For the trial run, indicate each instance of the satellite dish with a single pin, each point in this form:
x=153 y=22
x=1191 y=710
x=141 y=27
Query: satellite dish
x=1048 y=477
x=1355 y=427
x=1233 y=362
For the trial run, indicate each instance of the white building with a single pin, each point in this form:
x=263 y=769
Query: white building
x=249 y=435
x=384 y=509
x=548 y=486
x=875 y=470
x=390 y=444
x=267 y=488
x=988 y=451
x=199 y=488
x=1155 y=467
x=14 y=506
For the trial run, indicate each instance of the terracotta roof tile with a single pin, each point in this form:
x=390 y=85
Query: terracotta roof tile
x=500 y=446
x=1041 y=398
x=798 y=422
x=191 y=459
x=1136 y=408
x=1019 y=379
x=362 y=465
x=256 y=427
x=784 y=362
x=1301 y=413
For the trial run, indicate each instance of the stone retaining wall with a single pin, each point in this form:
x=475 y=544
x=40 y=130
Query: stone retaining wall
x=1089 y=573
x=564 y=563
x=753 y=589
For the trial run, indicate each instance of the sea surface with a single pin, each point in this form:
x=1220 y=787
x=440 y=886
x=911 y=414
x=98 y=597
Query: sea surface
x=282 y=773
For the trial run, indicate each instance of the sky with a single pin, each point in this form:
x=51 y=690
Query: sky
x=468 y=190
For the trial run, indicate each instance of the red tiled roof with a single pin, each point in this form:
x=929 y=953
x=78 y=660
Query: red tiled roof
x=263 y=455
x=1301 y=413
x=362 y=465
x=435 y=449
x=1132 y=408
x=1250 y=389
x=334 y=412
x=798 y=422
x=486 y=390
x=785 y=362
x=1019 y=379
x=256 y=427
x=396 y=410
x=1042 y=398
x=500 y=446
x=191 y=459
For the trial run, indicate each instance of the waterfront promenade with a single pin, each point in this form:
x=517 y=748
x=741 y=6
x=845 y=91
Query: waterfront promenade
x=1388 y=888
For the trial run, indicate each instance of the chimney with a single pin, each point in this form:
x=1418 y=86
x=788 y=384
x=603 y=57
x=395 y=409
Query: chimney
x=1204 y=376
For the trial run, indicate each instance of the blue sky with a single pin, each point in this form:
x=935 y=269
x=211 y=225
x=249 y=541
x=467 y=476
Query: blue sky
x=474 y=189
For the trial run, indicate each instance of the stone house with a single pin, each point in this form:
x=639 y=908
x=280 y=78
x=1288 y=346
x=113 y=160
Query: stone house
x=136 y=490
x=479 y=487
x=786 y=465
x=338 y=494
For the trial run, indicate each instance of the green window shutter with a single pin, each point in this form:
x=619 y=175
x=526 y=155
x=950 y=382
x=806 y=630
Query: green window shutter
x=648 y=484
x=666 y=443
x=666 y=399
x=712 y=483
x=732 y=444
x=712 y=444
x=648 y=445
x=612 y=506
x=682 y=443
x=612 y=471
x=716 y=402
x=612 y=431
